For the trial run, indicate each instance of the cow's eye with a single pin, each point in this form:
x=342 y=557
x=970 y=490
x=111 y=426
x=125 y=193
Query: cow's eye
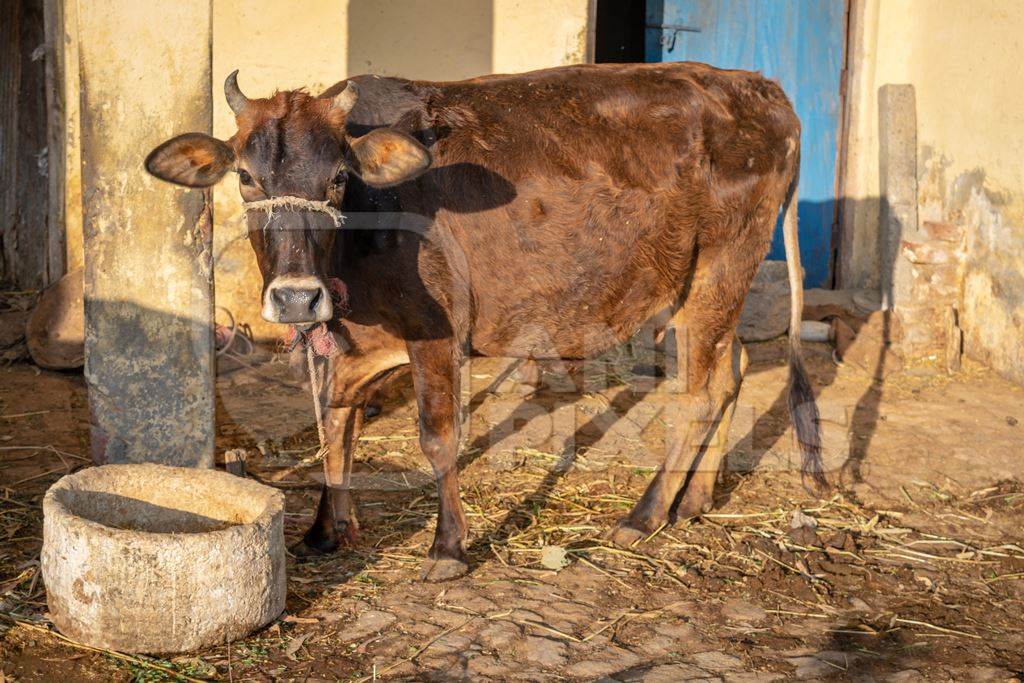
x=341 y=178
x=244 y=177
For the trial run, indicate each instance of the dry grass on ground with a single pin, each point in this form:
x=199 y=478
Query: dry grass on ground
x=914 y=568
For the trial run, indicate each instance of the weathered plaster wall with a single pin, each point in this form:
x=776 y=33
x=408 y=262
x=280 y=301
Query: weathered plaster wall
x=533 y=34
x=963 y=59
x=148 y=301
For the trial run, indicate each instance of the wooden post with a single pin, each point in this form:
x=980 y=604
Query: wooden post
x=145 y=76
x=64 y=164
x=24 y=234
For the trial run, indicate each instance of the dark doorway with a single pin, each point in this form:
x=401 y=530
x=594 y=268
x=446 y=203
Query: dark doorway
x=620 y=31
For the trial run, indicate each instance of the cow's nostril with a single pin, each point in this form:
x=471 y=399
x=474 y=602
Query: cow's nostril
x=279 y=297
x=315 y=299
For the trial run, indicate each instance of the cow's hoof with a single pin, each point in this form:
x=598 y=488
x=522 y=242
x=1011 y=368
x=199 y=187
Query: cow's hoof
x=443 y=569
x=348 y=533
x=317 y=542
x=304 y=550
x=693 y=505
x=624 y=535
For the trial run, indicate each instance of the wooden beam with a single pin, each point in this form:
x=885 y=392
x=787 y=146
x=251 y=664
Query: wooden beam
x=56 y=134
x=23 y=144
x=10 y=74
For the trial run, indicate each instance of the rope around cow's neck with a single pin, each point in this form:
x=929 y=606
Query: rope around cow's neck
x=290 y=203
x=314 y=385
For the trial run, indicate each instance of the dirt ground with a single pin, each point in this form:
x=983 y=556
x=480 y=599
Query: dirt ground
x=912 y=569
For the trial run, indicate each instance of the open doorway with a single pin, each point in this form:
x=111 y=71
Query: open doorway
x=620 y=31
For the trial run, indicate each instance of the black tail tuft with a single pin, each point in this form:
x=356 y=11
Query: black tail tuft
x=803 y=411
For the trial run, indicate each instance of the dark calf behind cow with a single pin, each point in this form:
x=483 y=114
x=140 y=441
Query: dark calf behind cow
x=553 y=213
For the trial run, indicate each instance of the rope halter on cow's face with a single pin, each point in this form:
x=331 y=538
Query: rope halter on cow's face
x=292 y=203
x=316 y=338
x=340 y=105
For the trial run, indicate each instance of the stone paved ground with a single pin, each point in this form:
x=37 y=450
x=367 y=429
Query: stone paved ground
x=912 y=570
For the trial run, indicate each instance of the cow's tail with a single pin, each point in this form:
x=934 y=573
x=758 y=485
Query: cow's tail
x=803 y=411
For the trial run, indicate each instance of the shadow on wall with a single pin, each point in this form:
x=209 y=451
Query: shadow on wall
x=151 y=386
x=420 y=40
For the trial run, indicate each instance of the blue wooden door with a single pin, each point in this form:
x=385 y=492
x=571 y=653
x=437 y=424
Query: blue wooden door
x=798 y=42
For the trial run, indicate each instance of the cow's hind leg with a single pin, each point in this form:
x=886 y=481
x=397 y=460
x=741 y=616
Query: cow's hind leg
x=697 y=413
x=708 y=364
x=725 y=384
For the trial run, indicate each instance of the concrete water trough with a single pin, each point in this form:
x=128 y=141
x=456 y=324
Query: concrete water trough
x=149 y=558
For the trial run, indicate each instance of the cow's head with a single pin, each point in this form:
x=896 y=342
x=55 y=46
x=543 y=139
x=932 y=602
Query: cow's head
x=291 y=147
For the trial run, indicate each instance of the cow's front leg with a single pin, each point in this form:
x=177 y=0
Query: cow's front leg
x=435 y=374
x=335 y=523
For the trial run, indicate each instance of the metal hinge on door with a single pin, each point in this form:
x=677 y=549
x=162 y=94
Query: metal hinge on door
x=669 y=33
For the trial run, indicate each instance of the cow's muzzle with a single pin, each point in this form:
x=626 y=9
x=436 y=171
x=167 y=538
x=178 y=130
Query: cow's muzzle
x=297 y=299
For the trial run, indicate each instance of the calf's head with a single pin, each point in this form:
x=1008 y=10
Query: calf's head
x=293 y=158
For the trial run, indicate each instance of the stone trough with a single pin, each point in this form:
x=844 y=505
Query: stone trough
x=149 y=558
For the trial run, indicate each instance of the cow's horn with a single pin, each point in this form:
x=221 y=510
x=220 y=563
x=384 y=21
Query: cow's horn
x=236 y=100
x=346 y=99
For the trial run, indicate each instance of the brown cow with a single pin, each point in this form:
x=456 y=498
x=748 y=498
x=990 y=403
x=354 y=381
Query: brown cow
x=539 y=215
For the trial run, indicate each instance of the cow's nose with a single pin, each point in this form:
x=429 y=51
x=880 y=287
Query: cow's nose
x=296 y=305
x=297 y=302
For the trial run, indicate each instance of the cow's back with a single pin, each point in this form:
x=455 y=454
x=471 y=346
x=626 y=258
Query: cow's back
x=633 y=121
x=580 y=197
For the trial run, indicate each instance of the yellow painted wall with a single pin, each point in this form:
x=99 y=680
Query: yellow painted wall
x=964 y=60
x=532 y=34
x=275 y=46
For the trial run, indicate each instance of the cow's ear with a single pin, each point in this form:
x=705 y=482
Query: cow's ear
x=385 y=157
x=192 y=159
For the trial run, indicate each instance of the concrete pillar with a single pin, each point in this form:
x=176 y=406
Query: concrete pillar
x=145 y=76
x=897 y=166
x=920 y=280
